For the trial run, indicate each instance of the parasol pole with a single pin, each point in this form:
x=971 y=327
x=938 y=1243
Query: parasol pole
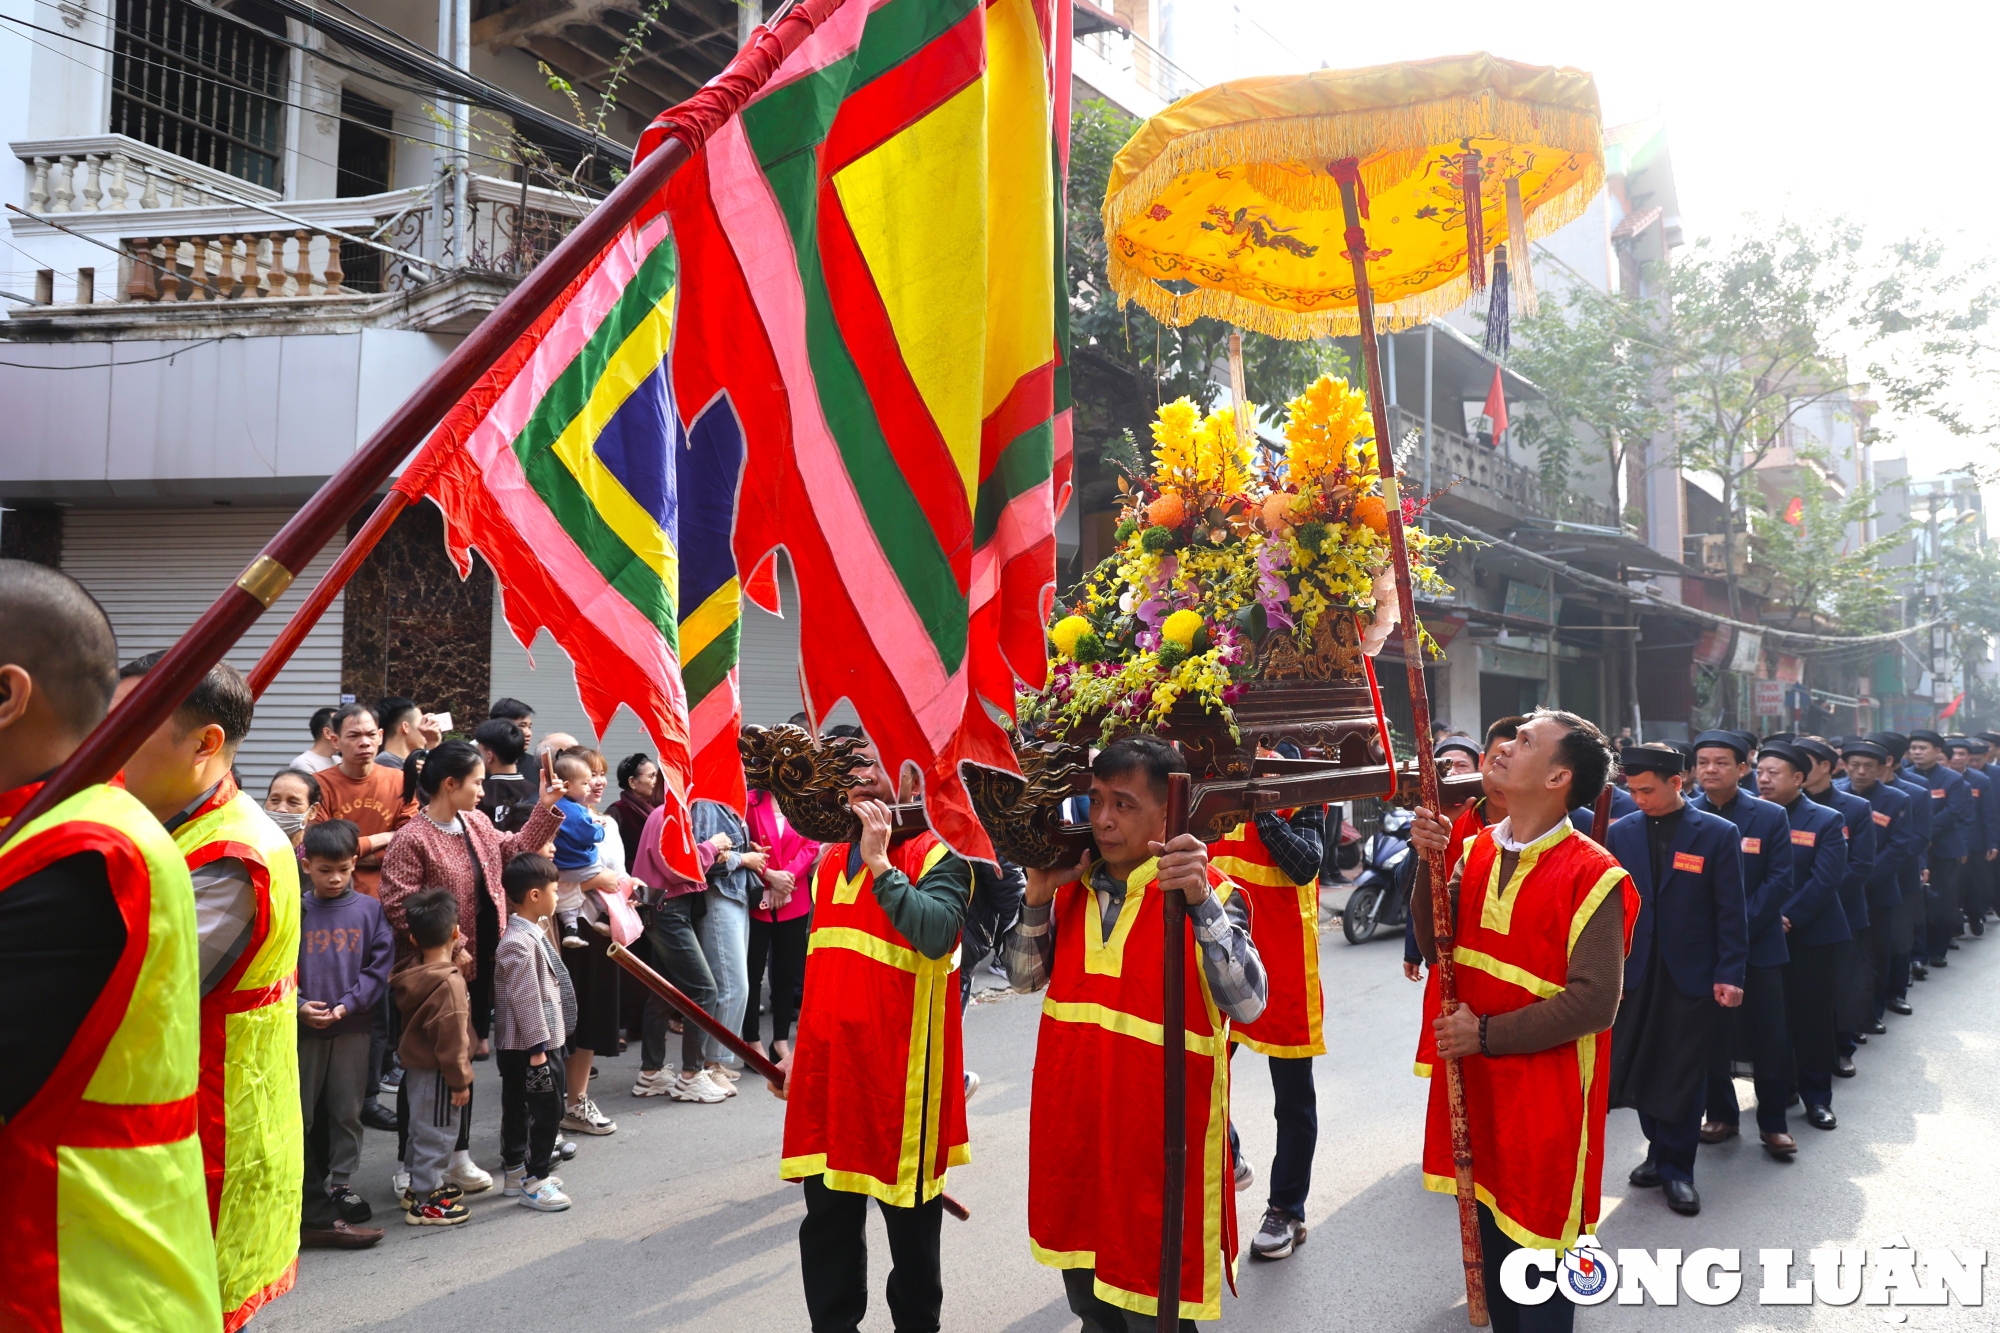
x=1173 y=1063
x=1347 y=172
x=216 y=631
x=1237 y=392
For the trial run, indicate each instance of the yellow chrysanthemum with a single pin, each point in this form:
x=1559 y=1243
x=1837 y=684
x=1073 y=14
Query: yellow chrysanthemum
x=1199 y=456
x=1322 y=427
x=1066 y=632
x=1181 y=627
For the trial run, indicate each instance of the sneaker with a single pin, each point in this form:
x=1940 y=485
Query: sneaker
x=399 y=1181
x=571 y=939
x=544 y=1195
x=437 y=1209
x=351 y=1206
x=510 y=1181
x=565 y=1148
x=408 y=1195
x=718 y=1072
x=390 y=1082
x=1244 y=1174
x=652 y=1082
x=468 y=1176
x=584 y=1118
x=1279 y=1236
x=696 y=1087
x=971 y=1084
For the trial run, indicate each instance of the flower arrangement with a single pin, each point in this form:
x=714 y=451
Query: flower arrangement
x=1215 y=553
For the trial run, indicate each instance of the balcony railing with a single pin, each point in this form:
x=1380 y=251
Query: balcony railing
x=1483 y=477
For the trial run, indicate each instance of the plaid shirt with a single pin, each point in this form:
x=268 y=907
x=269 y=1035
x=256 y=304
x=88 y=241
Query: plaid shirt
x=1228 y=959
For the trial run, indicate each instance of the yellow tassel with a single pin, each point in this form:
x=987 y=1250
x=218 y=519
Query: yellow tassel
x=1526 y=304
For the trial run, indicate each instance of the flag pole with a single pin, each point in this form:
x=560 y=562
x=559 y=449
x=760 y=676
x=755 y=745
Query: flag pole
x=1347 y=172
x=163 y=689
x=1173 y=1064
x=302 y=621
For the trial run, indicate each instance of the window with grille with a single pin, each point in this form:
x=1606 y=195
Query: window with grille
x=201 y=86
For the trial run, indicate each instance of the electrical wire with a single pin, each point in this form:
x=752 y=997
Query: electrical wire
x=143 y=361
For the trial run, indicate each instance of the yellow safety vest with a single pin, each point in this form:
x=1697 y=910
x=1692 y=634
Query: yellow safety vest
x=252 y=1135
x=107 y=1228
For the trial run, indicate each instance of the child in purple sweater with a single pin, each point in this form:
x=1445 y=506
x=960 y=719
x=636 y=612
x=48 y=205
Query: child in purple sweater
x=345 y=949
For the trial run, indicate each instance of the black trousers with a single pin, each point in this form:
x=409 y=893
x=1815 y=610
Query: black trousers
x=1944 y=919
x=784 y=943
x=1975 y=891
x=1812 y=981
x=1101 y=1316
x=1555 y=1315
x=531 y=1110
x=1295 y=1106
x=833 y=1261
x=316 y=1210
x=1763 y=1018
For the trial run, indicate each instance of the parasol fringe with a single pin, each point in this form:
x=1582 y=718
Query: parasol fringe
x=1317 y=190
x=1132 y=283
x=1525 y=303
x=1377 y=137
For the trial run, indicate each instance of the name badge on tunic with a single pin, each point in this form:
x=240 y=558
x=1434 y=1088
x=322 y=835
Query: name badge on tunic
x=1753 y=846
x=1882 y=819
x=1687 y=861
x=1804 y=837
x=1937 y=793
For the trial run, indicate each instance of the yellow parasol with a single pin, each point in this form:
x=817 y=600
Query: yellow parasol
x=1233 y=189
x=1327 y=203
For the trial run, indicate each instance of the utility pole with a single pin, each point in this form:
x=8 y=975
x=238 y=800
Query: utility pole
x=1940 y=638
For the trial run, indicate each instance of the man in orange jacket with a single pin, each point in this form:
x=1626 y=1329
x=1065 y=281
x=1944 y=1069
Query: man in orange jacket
x=1543 y=917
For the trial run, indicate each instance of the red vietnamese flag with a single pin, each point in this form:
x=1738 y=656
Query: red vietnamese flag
x=1795 y=511
x=1496 y=407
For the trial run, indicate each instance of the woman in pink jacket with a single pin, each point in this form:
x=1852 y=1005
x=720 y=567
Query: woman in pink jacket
x=780 y=923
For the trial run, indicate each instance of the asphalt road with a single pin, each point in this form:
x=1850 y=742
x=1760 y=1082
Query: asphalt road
x=680 y=1221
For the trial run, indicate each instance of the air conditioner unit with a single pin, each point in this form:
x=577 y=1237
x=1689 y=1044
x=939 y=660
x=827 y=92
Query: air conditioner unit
x=1710 y=558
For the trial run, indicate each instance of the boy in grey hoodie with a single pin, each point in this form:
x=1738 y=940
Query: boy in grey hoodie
x=534 y=1008
x=436 y=1052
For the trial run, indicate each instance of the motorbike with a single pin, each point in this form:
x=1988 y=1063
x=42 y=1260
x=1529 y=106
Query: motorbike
x=1380 y=896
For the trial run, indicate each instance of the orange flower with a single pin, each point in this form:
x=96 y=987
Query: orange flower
x=1169 y=511
x=1370 y=510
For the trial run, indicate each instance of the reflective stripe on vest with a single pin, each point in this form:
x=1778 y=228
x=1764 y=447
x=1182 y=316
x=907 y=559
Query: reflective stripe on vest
x=249 y=1105
x=875 y=1012
x=1284 y=923
x=108 y=1224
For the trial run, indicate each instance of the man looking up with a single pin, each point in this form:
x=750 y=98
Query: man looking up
x=1533 y=899
x=1689 y=950
x=1815 y=925
x=875 y=1084
x=363 y=792
x=1895 y=859
x=1951 y=818
x=1092 y=934
x=96 y=923
x=405 y=730
x=245 y=875
x=1764 y=837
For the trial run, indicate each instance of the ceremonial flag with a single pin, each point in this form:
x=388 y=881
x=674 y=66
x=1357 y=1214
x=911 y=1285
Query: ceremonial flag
x=564 y=467
x=1496 y=407
x=872 y=255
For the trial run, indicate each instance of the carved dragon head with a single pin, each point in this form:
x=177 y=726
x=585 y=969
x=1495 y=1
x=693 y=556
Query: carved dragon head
x=809 y=777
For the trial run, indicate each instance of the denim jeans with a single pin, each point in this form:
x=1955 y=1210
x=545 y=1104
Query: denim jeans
x=673 y=949
x=725 y=941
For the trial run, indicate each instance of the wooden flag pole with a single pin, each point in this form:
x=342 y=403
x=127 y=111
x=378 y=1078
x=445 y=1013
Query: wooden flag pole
x=302 y=621
x=163 y=689
x=1347 y=173
x=1173 y=1056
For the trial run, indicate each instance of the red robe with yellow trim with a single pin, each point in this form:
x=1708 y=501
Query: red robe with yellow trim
x=1094 y=1157
x=1537 y=1120
x=876 y=1100
x=1463 y=830
x=1284 y=921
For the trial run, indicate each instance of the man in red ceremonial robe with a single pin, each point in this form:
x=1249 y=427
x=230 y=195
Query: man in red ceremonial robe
x=1092 y=934
x=875 y=1084
x=1543 y=920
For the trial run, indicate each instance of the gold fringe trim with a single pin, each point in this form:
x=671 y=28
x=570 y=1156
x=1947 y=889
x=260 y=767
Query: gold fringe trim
x=1363 y=134
x=1316 y=191
x=1180 y=309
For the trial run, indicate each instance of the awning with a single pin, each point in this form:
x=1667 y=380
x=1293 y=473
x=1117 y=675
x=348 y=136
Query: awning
x=1601 y=545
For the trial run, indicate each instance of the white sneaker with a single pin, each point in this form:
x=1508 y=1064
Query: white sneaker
x=510 y=1181
x=719 y=1072
x=467 y=1176
x=971 y=1084
x=695 y=1088
x=584 y=1118
x=652 y=1083
x=400 y=1181
x=544 y=1196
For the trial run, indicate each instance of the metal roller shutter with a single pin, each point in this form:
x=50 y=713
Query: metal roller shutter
x=156 y=570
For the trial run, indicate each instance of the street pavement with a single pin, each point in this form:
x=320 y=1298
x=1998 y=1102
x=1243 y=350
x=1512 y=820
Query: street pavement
x=680 y=1221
